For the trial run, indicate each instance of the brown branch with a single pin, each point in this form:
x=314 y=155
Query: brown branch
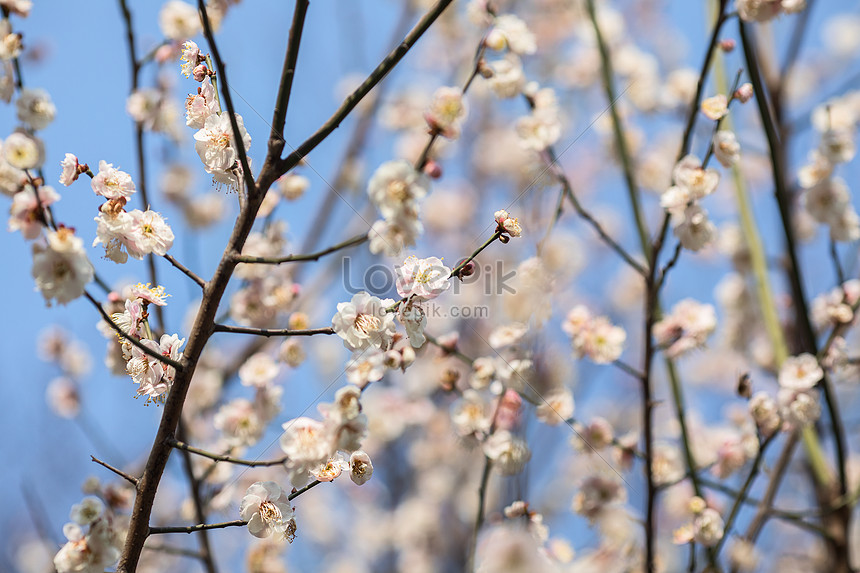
x=129 y=478
x=247 y=176
x=282 y=102
x=194 y=528
x=222 y=458
x=357 y=240
x=188 y=272
x=272 y=332
x=199 y=509
x=376 y=76
x=133 y=340
x=299 y=492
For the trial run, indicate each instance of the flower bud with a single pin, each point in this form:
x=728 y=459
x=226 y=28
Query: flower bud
x=200 y=72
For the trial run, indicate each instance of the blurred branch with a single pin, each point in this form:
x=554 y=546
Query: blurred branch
x=194 y=528
x=206 y=555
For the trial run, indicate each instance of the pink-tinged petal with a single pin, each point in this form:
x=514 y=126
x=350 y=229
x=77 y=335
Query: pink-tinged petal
x=257 y=527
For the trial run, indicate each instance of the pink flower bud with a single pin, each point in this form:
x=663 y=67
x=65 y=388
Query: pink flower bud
x=433 y=169
x=744 y=93
x=727 y=45
x=200 y=72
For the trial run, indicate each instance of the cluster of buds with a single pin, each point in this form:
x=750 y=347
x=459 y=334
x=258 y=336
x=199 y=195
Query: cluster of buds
x=507 y=226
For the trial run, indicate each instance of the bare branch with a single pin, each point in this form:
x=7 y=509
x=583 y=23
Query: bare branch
x=276 y=137
x=129 y=478
x=199 y=527
x=272 y=332
x=222 y=458
x=357 y=240
x=189 y=273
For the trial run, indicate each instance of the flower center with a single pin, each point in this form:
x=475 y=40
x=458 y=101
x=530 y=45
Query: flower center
x=367 y=323
x=270 y=512
x=398 y=190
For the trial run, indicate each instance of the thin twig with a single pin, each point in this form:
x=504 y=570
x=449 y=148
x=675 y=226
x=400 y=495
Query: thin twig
x=272 y=332
x=129 y=478
x=222 y=458
x=288 y=72
x=249 y=259
x=133 y=340
x=188 y=272
x=194 y=528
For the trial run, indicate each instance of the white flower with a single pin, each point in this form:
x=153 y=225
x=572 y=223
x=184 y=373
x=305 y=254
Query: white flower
x=727 y=150
x=758 y=10
x=507 y=79
x=70 y=169
x=507 y=334
x=266 y=508
x=596 y=493
x=594 y=337
x=365 y=367
x=556 y=407
x=306 y=444
x=425 y=278
x=539 y=130
x=837 y=145
x=145 y=371
x=25 y=214
x=412 y=316
x=799 y=409
x=845 y=227
x=447 y=110
x=395 y=189
x=111 y=183
x=511 y=32
x=293 y=186
x=86 y=512
x=363 y=322
x=216 y=145
x=199 y=106
x=392 y=236
x=61 y=267
x=149 y=234
x=331 y=469
x=179 y=21
x=690 y=174
x=23 y=151
x=800 y=372
x=695 y=231
x=240 y=423
x=686 y=327
x=715 y=107
x=360 y=467
x=471 y=414
x=827 y=199
x=508 y=453
x=35 y=108
x=259 y=370
x=190 y=57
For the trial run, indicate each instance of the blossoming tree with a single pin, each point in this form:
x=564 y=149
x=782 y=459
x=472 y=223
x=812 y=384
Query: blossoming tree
x=700 y=306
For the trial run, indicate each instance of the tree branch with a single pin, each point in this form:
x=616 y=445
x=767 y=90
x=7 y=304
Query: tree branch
x=272 y=332
x=249 y=259
x=129 y=478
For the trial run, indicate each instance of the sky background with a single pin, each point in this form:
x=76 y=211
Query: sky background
x=83 y=63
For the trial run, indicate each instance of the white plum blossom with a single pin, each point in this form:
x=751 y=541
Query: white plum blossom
x=507 y=79
x=594 y=337
x=715 y=107
x=35 y=108
x=800 y=372
x=686 y=327
x=695 y=231
x=471 y=414
x=293 y=186
x=26 y=213
x=365 y=367
x=413 y=317
x=423 y=278
x=689 y=174
x=360 y=467
x=179 y=21
x=70 y=171
x=765 y=413
x=259 y=370
x=507 y=334
x=331 y=469
x=215 y=143
x=798 y=409
x=61 y=267
x=363 y=322
x=86 y=512
x=266 y=508
x=447 y=110
x=395 y=189
x=307 y=444
x=596 y=493
x=509 y=31
x=23 y=151
x=111 y=183
x=727 y=150
x=240 y=422
x=200 y=106
x=392 y=236
x=150 y=234
x=508 y=453
x=555 y=407
x=190 y=57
